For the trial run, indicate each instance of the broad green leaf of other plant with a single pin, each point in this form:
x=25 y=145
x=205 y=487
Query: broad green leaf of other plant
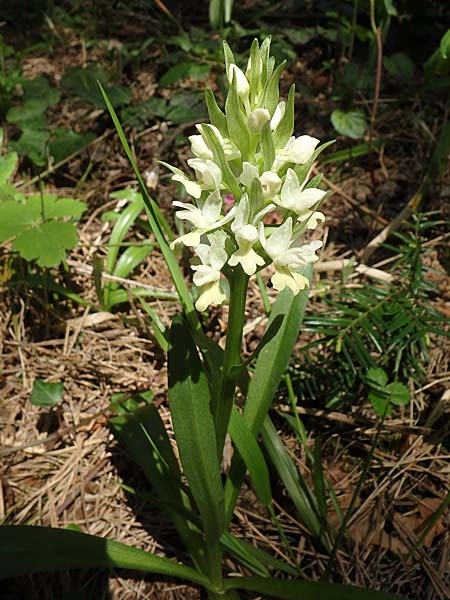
x=35 y=229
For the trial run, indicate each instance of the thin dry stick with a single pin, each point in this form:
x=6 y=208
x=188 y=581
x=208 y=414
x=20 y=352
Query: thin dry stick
x=402 y=216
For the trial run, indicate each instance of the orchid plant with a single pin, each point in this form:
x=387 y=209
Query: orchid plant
x=253 y=206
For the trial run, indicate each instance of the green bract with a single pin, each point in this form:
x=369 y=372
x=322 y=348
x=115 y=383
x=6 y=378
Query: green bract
x=248 y=165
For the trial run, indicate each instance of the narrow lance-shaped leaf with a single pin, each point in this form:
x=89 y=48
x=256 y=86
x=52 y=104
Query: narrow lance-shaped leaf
x=272 y=91
x=267 y=146
x=251 y=454
x=255 y=73
x=143 y=434
x=236 y=121
x=301 y=496
x=228 y=55
x=219 y=157
x=150 y=206
x=305 y=590
x=285 y=127
x=194 y=428
x=216 y=116
x=25 y=550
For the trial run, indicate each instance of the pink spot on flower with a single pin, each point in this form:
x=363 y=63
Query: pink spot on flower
x=229 y=199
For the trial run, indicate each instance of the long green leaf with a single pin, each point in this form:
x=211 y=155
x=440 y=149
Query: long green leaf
x=301 y=496
x=305 y=590
x=194 y=428
x=143 y=433
x=25 y=550
x=248 y=448
x=254 y=558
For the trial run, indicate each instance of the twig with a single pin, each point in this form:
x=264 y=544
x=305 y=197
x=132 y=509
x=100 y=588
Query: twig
x=62 y=162
x=402 y=216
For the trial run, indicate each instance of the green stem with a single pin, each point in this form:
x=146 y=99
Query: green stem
x=215 y=569
x=232 y=357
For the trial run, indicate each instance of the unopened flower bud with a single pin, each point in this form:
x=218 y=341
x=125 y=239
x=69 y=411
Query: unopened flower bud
x=257 y=118
x=242 y=85
x=278 y=115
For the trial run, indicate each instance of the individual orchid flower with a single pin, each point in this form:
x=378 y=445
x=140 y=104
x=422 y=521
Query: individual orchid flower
x=242 y=85
x=201 y=149
x=208 y=173
x=287 y=258
x=207 y=274
x=245 y=235
x=270 y=181
x=249 y=173
x=297 y=150
x=296 y=198
x=257 y=118
x=204 y=218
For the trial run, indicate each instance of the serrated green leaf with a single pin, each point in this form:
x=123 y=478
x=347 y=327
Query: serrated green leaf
x=32 y=144
x=45 y=393
x=61 y=549
x=83 y=83
x=194 y=428
x=66 y=142
x=352 y=124
x=35 y=238
x=40 y=89
x=182 y=70
x=8 y=164
x=377 y=377
x=30 y=115
x=47 y=243
x=398 y=393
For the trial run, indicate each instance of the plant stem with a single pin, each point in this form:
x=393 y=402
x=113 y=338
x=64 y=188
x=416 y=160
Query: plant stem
x=232 y=358
x=215 y=568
